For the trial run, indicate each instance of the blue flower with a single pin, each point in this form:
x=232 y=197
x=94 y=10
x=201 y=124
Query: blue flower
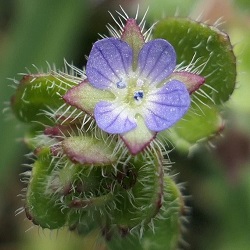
x=132 y=88
x=143 y=90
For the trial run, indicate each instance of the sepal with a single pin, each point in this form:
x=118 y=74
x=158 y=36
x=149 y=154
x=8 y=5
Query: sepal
x=133 y=36
x=139 y=138
x=85 y=97
x=88 y=151
x=192 y=81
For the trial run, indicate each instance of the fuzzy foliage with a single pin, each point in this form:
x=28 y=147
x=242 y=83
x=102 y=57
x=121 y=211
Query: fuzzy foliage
x=87 y=179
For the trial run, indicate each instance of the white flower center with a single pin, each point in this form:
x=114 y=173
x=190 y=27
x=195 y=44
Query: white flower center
x=132 y=91
x=138 y=96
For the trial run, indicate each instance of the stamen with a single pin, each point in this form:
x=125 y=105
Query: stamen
x=138 y=95
x=139 y=82
x=121 y=85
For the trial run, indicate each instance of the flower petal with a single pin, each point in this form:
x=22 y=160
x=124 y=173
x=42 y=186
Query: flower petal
x=139 y=138
x=166 y=105
x=157 y=60
x=113 y=117
x=109 y=62
x=85 y=97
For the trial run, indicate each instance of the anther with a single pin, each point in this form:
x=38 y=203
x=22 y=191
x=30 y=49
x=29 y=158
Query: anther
x=138 y=95
x=121 y=85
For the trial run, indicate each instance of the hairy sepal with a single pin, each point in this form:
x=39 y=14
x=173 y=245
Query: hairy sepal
x=85 y=97
x=192 y=81
x=89 y=151
x=139 y=138
x=133 y=36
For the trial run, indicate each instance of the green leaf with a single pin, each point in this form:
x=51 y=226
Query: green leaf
x=171 y=8
x=81 y=221
x=208 y=49
x=195 y=127
x=42 y=206
x=167 y=229
x=140 y=191
x=38 y=93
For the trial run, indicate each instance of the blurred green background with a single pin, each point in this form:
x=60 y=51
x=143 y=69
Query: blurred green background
x=216 y=175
